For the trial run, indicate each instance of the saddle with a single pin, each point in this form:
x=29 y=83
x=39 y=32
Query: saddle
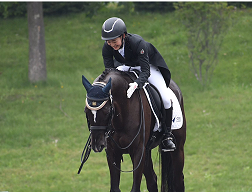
x=156 y=104
x=154 y=99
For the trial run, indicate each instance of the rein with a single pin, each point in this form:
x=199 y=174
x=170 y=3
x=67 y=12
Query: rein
x=142 y=123
x=86 y=150
x=109 y=131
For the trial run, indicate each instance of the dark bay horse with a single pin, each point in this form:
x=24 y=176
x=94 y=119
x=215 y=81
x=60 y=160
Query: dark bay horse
x=124 y=126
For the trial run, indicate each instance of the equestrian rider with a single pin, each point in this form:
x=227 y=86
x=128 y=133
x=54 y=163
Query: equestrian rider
x=132 y=51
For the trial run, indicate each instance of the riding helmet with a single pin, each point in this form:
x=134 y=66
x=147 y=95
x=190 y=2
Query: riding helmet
x=113 y=28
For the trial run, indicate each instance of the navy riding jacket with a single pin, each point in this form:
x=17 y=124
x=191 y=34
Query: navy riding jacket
x=137 y=52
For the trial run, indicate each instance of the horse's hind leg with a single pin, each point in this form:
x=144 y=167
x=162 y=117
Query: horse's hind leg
x=178 y=161
x=149 y=173
x=178 y=164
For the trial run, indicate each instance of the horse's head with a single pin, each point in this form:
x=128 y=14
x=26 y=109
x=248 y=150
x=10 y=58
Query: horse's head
x=98 y=111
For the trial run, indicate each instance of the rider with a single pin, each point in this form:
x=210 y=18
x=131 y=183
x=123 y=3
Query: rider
x=132 y=51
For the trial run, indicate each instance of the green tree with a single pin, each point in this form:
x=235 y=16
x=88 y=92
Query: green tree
x=206 y=24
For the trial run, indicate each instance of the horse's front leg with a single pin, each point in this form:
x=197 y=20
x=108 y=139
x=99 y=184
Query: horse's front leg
x=138 y=159
x=114 y=163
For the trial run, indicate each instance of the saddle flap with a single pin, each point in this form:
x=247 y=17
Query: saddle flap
x=155 y=100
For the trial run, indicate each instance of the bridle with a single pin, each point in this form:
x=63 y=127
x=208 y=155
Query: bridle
x=109 y=130
x=106 y=128
x=87 y=149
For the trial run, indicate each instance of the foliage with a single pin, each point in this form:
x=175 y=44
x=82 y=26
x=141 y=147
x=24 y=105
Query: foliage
x=240 y=4
x=18 y=9
x=61 y=8
x=206 y=25
x=14 y=9
x=154 y=6
x=115 y=8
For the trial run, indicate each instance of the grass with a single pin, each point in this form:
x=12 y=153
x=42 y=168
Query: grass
x=219 y=133
x=43 y=128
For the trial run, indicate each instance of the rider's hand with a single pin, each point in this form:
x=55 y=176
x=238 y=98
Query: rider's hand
x=132 y=88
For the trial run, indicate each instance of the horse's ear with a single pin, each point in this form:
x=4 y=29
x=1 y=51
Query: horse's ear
x=86 y=83
x=107 y=87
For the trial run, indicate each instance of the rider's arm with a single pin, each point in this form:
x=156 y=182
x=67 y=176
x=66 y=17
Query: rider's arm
x=107 y=54
x=143 y=59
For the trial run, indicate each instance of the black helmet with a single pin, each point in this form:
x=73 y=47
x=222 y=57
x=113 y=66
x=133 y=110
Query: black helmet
x=113 y=28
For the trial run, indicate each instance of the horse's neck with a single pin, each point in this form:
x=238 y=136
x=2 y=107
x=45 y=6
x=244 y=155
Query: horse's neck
x=120 y=100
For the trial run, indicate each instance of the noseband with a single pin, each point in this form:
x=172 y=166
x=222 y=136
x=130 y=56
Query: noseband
x=107 y=128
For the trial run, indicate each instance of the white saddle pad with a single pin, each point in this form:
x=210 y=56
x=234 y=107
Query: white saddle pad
x=177 y=117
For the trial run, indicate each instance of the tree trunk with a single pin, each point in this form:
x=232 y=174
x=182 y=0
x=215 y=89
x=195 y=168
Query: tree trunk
x=37 y=53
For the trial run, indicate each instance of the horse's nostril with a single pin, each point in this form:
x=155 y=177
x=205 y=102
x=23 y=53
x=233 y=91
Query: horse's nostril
x=95 y=149
x=98 y=149
x=101 y=147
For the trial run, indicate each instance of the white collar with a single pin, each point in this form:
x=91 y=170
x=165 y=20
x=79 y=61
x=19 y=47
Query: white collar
x=121 y=51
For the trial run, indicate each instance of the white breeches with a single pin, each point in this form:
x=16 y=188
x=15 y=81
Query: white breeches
x=156 y=79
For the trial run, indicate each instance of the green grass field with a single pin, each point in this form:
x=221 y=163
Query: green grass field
x=43 y=127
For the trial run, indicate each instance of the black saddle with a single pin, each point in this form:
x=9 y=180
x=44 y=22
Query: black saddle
x=156 y=100
x=155 y=97
x=158 y=108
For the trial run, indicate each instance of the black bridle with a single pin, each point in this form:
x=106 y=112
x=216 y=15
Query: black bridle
x=87 y=149
x=109 y=131
x=106 y=128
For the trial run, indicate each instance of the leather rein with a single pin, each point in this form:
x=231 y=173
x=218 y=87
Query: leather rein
x=109 y=131
x=142 y=124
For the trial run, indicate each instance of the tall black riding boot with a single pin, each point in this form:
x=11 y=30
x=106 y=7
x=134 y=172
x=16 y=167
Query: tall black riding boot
x=168 y=144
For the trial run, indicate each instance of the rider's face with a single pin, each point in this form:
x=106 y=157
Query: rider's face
x=115 y=43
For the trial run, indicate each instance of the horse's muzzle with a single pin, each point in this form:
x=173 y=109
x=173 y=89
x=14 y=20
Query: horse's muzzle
x=98 y=141
x=98 y=149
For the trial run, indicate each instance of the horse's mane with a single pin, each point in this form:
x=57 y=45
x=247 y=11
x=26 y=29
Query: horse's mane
x=107 y=71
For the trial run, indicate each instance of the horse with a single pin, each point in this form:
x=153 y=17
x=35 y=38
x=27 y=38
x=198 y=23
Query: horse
x=124 y=126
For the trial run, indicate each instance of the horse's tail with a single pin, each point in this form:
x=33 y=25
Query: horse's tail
x=166 y=172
